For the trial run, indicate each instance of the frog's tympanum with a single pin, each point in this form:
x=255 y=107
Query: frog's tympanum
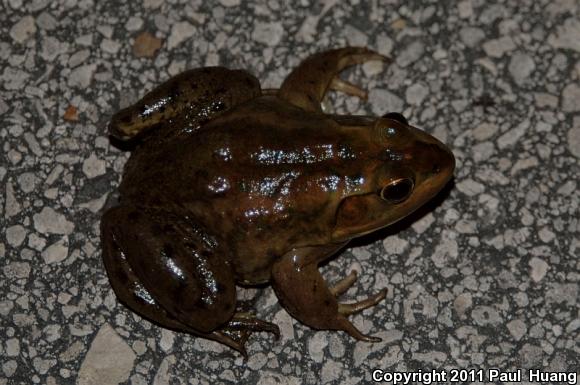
x=231 y=184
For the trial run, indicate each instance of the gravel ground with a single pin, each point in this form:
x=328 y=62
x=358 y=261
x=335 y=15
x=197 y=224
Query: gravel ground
x=486 y=277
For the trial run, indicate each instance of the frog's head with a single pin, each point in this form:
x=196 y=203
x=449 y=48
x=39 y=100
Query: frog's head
x=405 y=168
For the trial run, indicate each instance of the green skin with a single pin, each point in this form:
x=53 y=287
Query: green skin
x=231 y=184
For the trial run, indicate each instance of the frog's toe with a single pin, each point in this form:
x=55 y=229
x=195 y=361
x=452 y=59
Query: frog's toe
x=347 y=326
x=351 y=308
x=344 y=284
x=338 y=84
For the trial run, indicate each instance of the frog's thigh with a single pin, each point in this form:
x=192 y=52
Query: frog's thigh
x=190 y=98
x=166 y=271
x=304 y=293
x=306 y=85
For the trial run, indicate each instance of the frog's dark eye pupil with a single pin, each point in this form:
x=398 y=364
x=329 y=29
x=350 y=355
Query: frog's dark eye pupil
x=397 y=191
x=396 y=116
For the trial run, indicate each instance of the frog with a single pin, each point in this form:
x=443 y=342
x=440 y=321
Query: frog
x=229 y=185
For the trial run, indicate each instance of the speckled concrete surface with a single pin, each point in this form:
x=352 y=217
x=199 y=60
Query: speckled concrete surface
x=488 y=277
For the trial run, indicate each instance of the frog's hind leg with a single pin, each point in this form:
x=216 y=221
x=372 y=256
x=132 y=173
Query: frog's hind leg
x=307 y=84
x=186 y=101
x=304 y=293
x=213 y=319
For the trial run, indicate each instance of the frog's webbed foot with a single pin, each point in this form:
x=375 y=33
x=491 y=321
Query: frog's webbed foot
x=351 y=308
x=236 y=333
x=304 y=293
x=307 y=84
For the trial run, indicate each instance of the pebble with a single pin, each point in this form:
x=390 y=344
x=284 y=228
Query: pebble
x=56 y=252
x=566 y=35
x=316 y=346
x=23 y=30
x=180 y=32
x=471 y=36
x=570 y=97
x=513 y=135
x=15 y=235
x=539 y=268
x=416 y=93
x=82 y=76
x=268 y=33
x=109 y=360
x=410 y=54
x=573 y=138
x=498 y=47
x=395 y=245
x=517 y=329
x=385 y=101
x=48 y=221
x=521 y=67
x=93 y=166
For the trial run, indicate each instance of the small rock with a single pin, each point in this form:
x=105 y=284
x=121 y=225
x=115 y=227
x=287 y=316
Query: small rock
x=12 y=347
x=134 y=23
x=485 y=131
x=316 y=346
x=471 y=36
x=574 y=138
x=385 y=101
x=15 y=235
x=566 y=35
x=416 y=93
x=465 y=9
x=521 y=67
x=56 y=252
x=179 y=33
x=410 y=54
x=571 y=97
x=470 y=187
x=146 y=45
x=517 y=329
x=268 y=33
x=82 y=76
x=513 y=135
x=23 y=29
x=230 y=3
x=486 y=315
x=167 y=339
x=27 y=182
x=498 y=47
x=17 y=270
x=48 y=221
x=462 y=303
x=163 y=376
x=539 y=269
x=71 y=114
x=546 y=235
x=152 y=4
x=109 y=360
x=395 y=245
x=93 y=166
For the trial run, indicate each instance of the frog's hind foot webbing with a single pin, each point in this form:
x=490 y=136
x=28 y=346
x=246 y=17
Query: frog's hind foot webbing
x=236 y=333
x=306 y=296
x=307 y=84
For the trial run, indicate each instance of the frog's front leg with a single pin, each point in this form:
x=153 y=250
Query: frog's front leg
x=169 y=271
x=306 y=85
x=186 y=101
x=304 y=293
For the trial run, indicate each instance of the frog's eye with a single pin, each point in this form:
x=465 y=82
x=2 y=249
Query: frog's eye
x=397 y=117
x=397 y=190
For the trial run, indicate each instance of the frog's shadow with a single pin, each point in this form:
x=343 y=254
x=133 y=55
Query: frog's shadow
x=406 y=222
